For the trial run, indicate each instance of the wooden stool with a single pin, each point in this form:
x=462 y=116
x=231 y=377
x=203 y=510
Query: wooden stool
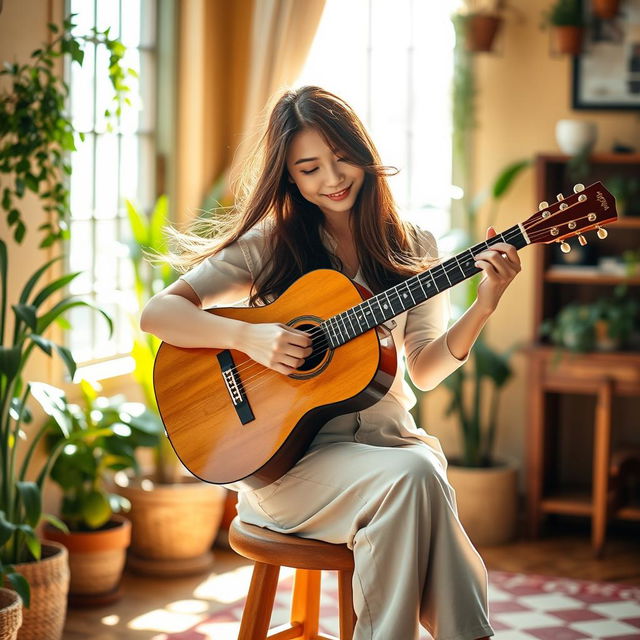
x=270 y=551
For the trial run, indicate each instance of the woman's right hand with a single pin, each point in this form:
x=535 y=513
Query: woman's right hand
x=276 y=346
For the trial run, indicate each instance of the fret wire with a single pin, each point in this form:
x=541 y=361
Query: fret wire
x=327 y=334
x=419 y=278
x=351 y=323
x=334 y=324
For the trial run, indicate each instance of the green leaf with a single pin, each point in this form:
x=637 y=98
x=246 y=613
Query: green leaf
x=138 y=224
x=10 y=360
x=56 y=522
x=67 y=358
x=26 y=313
x=21 y=586
x=19 y=187
x=33 y=543
x=32 y=501
x=53 y=402
x=43 y=343
x=7 y=529
x=32 y=182
x=53 y=287
x=506 y=178
x=53 y=27
x=13 y=216
x=26 y=291
x=18 y=234
x=157 y=223
x=64 y=305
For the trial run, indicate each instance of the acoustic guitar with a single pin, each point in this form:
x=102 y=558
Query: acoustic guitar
x=232 y=420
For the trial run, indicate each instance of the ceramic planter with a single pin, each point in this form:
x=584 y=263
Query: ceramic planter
x=174 y=525
x=10 y=614
x=96 y=561
x=49 y=582
x=568 y=39
x=487 y=499
x=576 y=136
x=481 y=31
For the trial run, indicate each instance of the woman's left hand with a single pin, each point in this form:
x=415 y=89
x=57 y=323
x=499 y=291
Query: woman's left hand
x=500 y=264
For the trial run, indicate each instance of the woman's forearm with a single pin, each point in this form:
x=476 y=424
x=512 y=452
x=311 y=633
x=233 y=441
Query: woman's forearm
x=181 y=323
x=464 y=332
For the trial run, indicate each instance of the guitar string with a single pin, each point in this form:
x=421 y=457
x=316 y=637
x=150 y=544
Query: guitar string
x=323 y=343
x=410 y=288
x=438 y=270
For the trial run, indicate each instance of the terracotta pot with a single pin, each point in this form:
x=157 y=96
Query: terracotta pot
x=481 y=31
x=487 y=499
x=49 y=582
x=96 y=560
x=606 y=9
x=173 y=525
x=10 y=614
x=568 y=40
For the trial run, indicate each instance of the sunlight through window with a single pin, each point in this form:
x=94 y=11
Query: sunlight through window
x=393 y=62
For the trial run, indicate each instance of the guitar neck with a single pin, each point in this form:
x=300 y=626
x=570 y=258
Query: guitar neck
x=413 y=291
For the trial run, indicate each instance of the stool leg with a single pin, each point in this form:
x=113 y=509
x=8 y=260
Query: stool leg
x=257 y=611
x=305 y=602
x=345 y=599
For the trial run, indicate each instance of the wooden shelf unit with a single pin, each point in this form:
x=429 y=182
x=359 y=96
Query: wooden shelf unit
x=605 y=375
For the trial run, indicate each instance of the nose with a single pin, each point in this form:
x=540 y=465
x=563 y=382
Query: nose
x=335 y=175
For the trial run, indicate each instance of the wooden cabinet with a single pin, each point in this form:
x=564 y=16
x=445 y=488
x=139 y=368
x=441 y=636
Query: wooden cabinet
x=579 y=403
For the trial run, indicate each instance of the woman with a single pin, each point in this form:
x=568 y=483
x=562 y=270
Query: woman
x=370 y=479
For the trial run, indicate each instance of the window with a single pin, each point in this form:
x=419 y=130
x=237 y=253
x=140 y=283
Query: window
x=393 y=63
x=109 y=167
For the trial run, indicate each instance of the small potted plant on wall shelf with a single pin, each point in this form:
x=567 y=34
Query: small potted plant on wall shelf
x=482 y=22
x=606 y=9
x=567 y=26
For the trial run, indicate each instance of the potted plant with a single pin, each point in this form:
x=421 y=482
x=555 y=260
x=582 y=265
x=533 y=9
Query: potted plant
x=626 y=191
x=95 y=439
x=35 y=136
x=605 y=325
x=606 y=9
x=175 y=515
x=486 y=486
x=566 y=19
x=480 y=23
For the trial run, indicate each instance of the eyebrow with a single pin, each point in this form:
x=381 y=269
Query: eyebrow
x=304 y=160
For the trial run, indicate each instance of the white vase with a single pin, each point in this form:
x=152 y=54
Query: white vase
x=576 y=136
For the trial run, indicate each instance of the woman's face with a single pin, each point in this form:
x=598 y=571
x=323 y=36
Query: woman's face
x=323 y=177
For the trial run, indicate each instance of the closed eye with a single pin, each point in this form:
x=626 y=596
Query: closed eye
x=312 y=170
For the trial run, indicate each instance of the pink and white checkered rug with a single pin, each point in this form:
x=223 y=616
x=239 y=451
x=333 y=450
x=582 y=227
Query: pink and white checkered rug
x=522 y=607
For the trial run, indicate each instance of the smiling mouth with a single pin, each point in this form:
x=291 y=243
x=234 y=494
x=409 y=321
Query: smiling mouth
x=339 y=195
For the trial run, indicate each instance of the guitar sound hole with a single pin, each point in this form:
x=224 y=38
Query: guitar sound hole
x=319 y=345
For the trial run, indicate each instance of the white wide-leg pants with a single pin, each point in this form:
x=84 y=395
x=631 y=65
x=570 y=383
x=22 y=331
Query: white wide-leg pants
x=374 y=481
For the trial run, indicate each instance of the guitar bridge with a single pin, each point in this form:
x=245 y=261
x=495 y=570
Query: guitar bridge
x=234 y=387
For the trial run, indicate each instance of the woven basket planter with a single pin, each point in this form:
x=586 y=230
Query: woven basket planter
x=96 y=560
x=173 y=525
x=49 y=582
x=10 y=614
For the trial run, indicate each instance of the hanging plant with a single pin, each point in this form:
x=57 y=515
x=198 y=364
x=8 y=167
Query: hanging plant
x=36 y=131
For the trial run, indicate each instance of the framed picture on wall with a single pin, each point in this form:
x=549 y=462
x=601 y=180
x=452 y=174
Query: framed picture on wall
x=607 y=73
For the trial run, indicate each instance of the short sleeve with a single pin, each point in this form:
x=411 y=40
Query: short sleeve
x=227 y=276
x=427 y=323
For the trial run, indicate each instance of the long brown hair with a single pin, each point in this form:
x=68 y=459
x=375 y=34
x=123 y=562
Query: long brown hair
x=268 y=196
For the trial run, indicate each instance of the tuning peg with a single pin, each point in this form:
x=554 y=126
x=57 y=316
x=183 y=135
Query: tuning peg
x=578 y=188
x=582 y=240
x=543 y=205
x=560 y=197
x=602 y=233
x=565 y=247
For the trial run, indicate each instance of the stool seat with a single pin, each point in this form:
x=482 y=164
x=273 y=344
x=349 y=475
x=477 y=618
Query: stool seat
x=271 y=550
x=264 y=545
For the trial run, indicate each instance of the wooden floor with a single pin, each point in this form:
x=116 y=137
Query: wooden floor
x=152 y=607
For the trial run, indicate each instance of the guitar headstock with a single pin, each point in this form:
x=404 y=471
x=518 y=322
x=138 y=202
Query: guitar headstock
x=588 y=208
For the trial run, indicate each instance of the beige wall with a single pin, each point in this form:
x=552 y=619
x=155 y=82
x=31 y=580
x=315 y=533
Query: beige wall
x=522 y=93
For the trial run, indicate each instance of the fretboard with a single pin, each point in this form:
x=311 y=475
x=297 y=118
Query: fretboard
x=376 y=310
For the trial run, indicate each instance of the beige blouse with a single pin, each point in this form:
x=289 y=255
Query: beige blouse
x=225 y=279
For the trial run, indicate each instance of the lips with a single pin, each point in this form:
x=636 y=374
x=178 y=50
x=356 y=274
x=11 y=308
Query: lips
x=339 y=195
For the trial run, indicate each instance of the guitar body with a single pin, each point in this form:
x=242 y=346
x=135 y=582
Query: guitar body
x=259 y=441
